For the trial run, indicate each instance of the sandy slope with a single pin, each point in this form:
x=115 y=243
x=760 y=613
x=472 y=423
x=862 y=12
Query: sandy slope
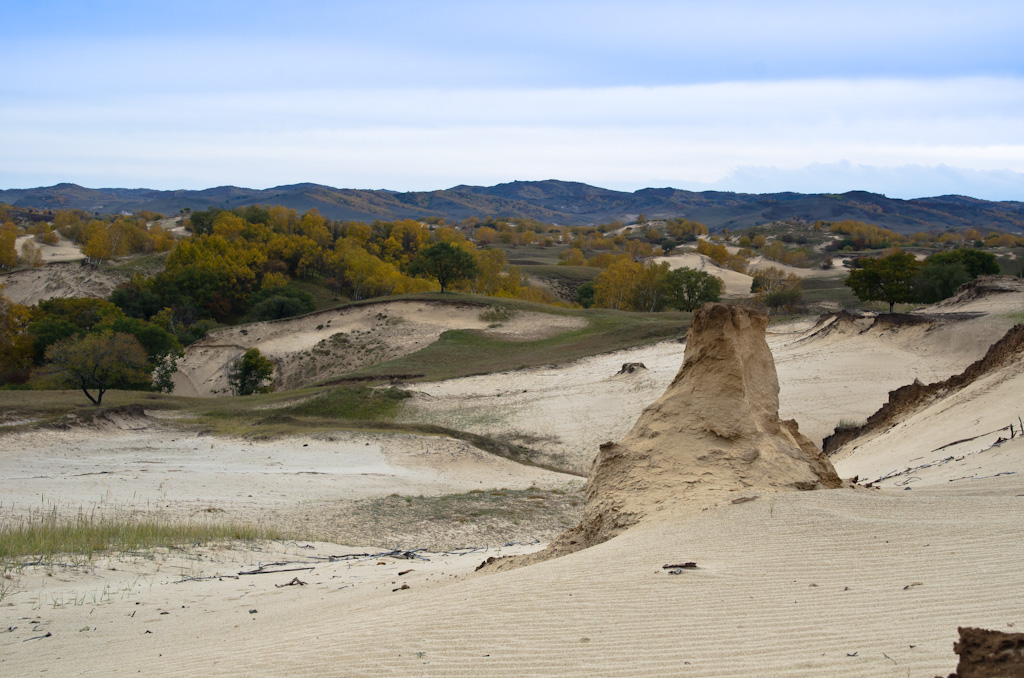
x=851 y=582
x=321 y=345
x=736 y=284
x=32 y=285
x=63 y=250
x=825 y=376
x=840 y=582
x=152 y=469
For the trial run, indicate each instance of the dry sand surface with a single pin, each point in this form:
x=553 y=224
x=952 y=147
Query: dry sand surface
x=149 y=468
x=852 y=582
x=839 y=582
x=63 y=250
x=736 y=284
x=58 y=280
x=322 y=345
x=840 y=371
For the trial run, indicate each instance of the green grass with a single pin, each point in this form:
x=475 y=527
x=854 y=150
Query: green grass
x=325 y=299
x=351 y=402
x=460 y=353
x=145 y=264
x=45 y=538
x=572 y=274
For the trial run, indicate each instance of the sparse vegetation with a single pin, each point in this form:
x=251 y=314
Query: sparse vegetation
x=46 y=537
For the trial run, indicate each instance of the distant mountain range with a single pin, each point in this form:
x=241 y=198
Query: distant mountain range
x=559 y=202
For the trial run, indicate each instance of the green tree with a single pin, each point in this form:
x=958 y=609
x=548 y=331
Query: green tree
x=974 y=262
x=688 y=289
x=447 y=263
x=889 y=279
x=97 y=362
x=938 y=281
x=252 y=373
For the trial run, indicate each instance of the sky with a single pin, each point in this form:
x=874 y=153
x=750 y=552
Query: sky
x=908 y=99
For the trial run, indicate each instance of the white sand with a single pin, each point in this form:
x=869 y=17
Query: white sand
x=58 y=280
x=321 y=345
x=824 y=378
x=736 y=284
x=840 y=582
x=62 y=250
x=156 y=469
x=849 y=582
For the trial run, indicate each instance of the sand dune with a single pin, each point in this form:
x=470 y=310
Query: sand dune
x=322 y=345
x=851 y=581
x=58 y=280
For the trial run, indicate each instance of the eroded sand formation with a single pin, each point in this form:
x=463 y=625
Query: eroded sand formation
x=714 y=432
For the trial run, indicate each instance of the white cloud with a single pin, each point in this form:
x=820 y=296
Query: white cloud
x=739 y=134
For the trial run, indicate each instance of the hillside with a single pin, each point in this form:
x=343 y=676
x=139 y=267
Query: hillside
x=550 y=201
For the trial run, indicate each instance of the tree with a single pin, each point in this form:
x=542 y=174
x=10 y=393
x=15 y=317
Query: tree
x=8 y=250
x=15 y=342
x=447 y=263
x=938 y=281
x=974 y=262
x=99 y=362
x=889 y=279
x=774 y=289
x=688 y=289
x=252 y=373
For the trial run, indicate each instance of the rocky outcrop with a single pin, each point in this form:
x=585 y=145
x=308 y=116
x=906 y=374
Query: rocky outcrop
x=715 y=431
x=989 y=654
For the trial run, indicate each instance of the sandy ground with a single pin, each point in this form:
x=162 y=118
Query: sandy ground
x=824 y=377
x=852 y=582
x=840 y=582
x=63 y=250
x=149 y=468
x=322 y=345
x=736 y=284
x=62 y=279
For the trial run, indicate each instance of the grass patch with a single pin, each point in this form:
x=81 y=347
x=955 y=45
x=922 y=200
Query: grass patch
x=572 y=274
x=352 y=402
x=45 y=538
x=324 y=298
x=459 y=353
x=144 y=264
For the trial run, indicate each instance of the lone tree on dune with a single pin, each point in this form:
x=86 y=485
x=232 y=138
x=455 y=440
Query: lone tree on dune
x=98 y=362
x=889 y=279
x=447 y=263
x=252 y=373
x=688 y=289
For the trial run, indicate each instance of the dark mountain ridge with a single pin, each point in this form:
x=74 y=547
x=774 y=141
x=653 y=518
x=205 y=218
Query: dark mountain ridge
x=553 y=201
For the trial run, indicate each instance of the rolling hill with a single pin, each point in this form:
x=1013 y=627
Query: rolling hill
x=551 y=201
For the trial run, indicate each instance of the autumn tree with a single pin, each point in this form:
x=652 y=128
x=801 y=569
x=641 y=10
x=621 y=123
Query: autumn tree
x=444 y=262
x=97 y=362
x=613 y=285
x=8 y=248
x=15 y=342
x=775 y=289
x=252 y=373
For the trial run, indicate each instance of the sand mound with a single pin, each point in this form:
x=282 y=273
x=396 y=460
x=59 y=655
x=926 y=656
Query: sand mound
x=736 y=284
x=716 y=430
x=58 y=280
x=907 y=400
x=328 y=344
x=987 y=293
x=120 y=418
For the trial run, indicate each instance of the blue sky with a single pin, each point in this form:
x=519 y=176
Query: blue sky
x=904 y=98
